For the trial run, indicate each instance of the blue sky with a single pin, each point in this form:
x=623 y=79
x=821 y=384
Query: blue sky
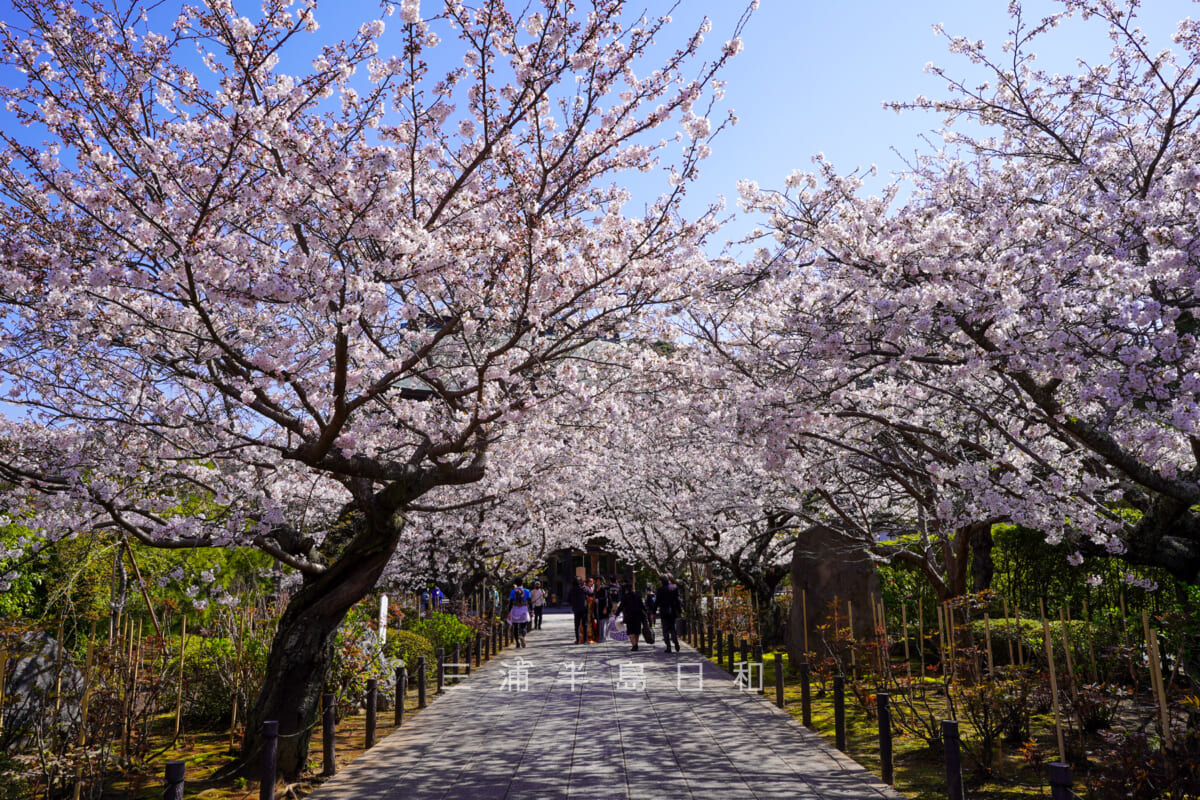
x=813 y=76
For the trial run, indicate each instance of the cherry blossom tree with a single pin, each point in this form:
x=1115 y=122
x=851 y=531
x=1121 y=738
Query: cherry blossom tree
x=249 y=303
x=1033 y=287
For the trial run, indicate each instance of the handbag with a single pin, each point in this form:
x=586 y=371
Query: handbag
x=648 y=633
x=616 y=629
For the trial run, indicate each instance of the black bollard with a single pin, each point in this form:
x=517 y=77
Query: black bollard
x=885 y=737
x=732 y=652
x=420 y=681
x=744 y=650
x=954 y=785
x=174 y=788
x=495 y=639
x=457 y=662
x=720 y=648
x=779 y=679
x=805 y=696
x=1060 y=781
x=839 y=712
x=441 y=670
x=270 y=753
x=328 y=720
x=401 y=694
x=758 y=658
x=478 y=651
x=705 y=634
x=372 y=706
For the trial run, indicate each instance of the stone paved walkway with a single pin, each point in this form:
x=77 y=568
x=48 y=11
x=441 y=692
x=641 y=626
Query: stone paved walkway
x=679 y=737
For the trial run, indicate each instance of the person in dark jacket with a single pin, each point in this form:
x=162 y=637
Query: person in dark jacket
x=634 y=612
x=601 y=608
x=577 y=597
x=670 y=607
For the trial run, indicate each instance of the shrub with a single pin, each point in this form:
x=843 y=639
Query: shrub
x=357 y=657
x=410 y=646
x=444 y=631
x=214 y=674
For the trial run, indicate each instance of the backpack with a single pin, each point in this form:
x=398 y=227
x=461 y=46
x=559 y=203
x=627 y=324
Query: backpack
x=519 y=597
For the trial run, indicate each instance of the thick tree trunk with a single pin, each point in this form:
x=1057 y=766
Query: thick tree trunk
x=303 y=647
x=982 y=568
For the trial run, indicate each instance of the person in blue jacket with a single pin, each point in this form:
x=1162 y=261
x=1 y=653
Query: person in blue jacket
x=519 y=604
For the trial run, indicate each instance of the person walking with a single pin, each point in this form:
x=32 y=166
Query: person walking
x=539 y=603
x=633 y=611
x=602 y=608
x=577 y=598
x=518 y=611
x=670 y=607
x=589 y=586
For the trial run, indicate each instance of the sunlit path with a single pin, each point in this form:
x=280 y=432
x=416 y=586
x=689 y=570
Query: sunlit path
x=582 y=727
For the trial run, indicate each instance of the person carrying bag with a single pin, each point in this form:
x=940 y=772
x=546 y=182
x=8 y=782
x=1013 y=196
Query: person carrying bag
x=518 y=611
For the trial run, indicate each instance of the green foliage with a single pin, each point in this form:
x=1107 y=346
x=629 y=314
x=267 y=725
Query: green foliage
x=23 y=594
x=217 y=669
x=14 y=781
x=356 y=658
x=410 y=646
x=443 y=630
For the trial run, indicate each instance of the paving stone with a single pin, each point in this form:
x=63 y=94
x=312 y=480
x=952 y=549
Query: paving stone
x=687 y=733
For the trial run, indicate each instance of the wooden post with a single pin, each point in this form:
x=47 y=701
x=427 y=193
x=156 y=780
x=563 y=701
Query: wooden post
x=1060 y=782
x=81 y=741
x=1062 y=750
x=885 y=648
x=1067 y=650
x=950 y=745
x=441 y=670
x=839 y=712
x=1012 y=659
x=758 y=656
x=921 y=633
x=805 y=696
x=1156 y=678
x=421 y=681
x=62 y=621
x=328 y=723
x=179 y=689
x=1020 y=636
x=885 y=737
x=779 y=679
x=987 y=628
x=850 y=630
x=270 y=753
x=174 y=781
x=907 y=652
x=804 y=613
x=942 y=639
x=372 y=707
x=401 y=695
x=3 y=668
x=875 y=628
x=1092 y=671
